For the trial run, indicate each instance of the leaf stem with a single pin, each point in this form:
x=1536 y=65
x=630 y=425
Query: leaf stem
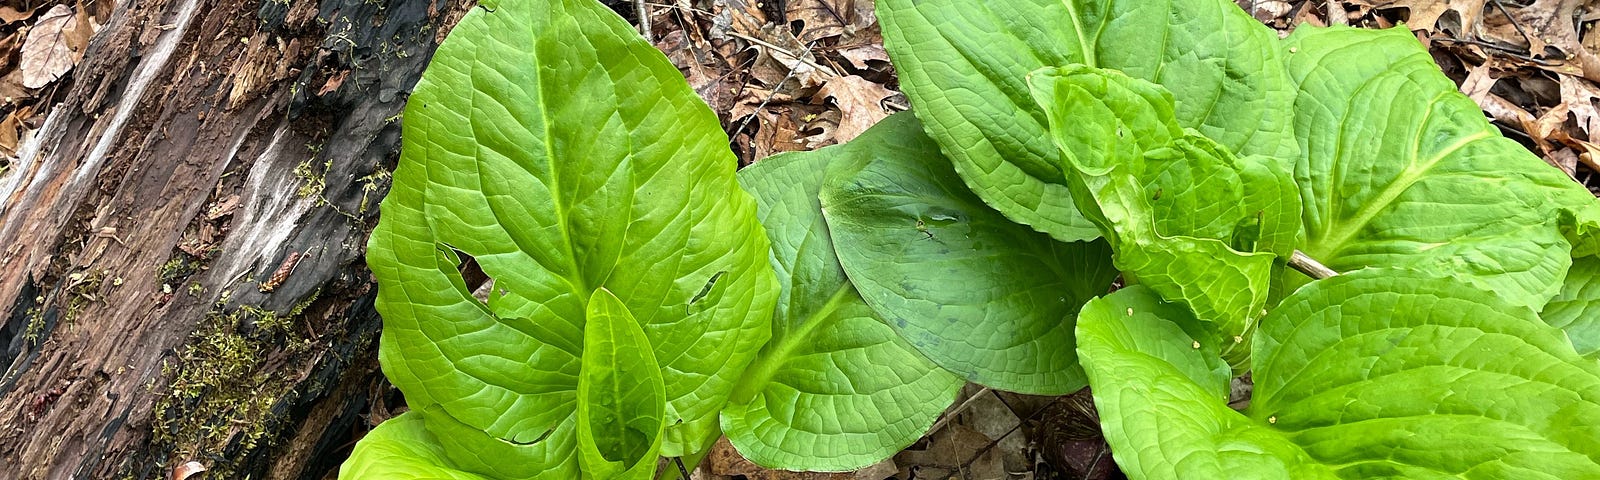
x=1303 y=263
x=772 y=358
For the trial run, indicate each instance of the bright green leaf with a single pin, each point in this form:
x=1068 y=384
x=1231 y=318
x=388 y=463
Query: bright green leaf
x=963 y=64
x=473 y=450
x=981 y=296
x=1173 y=204
x=836 y=389
x=401 y=449
x=621 y=399
x=1379 y=373
x=564 y=154
x=1576 y=309
x=428 y=444
x=1398 y=168
x=1389 y=373
x=1162 y=396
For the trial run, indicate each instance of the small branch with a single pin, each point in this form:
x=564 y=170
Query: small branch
x=827 y=72
x=945 y=420
x=643 y=9
x=1310 y=266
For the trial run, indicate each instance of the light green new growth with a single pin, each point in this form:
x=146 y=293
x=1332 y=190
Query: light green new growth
x=565 y=155
x=1053 y=146
x=1184 y=216
x=964 y=65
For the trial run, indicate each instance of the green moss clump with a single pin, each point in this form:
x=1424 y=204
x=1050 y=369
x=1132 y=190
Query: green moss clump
x=226 y=380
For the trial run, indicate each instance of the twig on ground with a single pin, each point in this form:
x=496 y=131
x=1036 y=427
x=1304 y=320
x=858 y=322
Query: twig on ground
x=1509 y=51
x=1310 y=266
x=939 y=425
x=1512 y=18
x=828 y=72
x=643 y=9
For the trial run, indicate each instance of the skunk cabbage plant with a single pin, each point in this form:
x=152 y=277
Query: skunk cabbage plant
x=1102 y=193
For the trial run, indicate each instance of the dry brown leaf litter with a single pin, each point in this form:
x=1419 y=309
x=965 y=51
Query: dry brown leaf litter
x=40 y=43
x=810 y=76
x=819 y=75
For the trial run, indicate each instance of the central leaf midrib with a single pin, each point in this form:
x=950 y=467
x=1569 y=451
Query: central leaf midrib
x=1084 y=47
x=760 y=373
x=576 y=273
x=1344 y=231
x=619 y=391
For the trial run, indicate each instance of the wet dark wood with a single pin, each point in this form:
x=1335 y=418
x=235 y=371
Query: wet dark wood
x=201 y=144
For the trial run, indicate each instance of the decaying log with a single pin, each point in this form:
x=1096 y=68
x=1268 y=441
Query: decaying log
x=180 y=243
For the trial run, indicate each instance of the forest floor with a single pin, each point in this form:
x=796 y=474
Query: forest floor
x=803 y=74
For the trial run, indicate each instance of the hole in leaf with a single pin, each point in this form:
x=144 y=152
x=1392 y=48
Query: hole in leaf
x=478 y=283
x=704 y=291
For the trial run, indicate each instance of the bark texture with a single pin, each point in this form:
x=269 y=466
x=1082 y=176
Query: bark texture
x=180 y=245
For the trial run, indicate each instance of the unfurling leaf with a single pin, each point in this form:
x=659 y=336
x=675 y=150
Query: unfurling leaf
x=1172 y=203
x=964 y=65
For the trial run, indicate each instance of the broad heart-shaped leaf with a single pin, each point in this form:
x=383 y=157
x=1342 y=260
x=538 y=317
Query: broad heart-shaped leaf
x=837 y=389
x=1162 y=395
x=1576 y=310
x=428 y=444
x=621 y=399
x=473 y=450
x=1378 y=373
x=1171 y=202
x=1398 y=168
x=564 y=154
x=1425 y=377
x=981 y=296
x=963 y=64
x=402 y=449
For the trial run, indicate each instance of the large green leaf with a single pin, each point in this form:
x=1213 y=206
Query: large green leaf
x=964 y=63
x=402 y=449
x=1379 y=373
x=836 y=389
x=981 y=296
x=471 y=449
x=428 y=444
x=1176 y=207
x=1162 y=396
x=621 y=398
x=564 y=154
x=1576 y=310
x=1398 y=168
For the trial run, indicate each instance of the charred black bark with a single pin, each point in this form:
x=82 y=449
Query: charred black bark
x=181 y=274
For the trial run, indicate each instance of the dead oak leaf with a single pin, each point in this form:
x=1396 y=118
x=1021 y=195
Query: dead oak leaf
x=47 y=53
x=865 y=47
x=1548 y=28
x=1580 y=96
x=11 y=14
x=820 y=19
x=725 y=460
x=783 y=63
x=860 y=104
x=1425 y=14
